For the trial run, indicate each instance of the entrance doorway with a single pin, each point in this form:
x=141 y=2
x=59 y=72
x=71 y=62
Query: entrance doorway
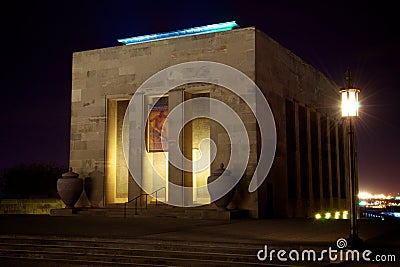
x=156 y=163
x=117 y=174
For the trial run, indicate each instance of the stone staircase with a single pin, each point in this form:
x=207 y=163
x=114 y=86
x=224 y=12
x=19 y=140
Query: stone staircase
x=20 y=250
x=161 y=210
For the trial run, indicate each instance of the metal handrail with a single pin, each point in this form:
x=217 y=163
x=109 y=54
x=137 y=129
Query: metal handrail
x=139 y=197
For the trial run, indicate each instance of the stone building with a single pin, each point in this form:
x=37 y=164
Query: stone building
x=308 y=172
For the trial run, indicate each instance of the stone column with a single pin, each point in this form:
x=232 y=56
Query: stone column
x=309 y=166
x=299 y=204
x=187 y=140
x=321 y=194
x=136 y=145
x=337 y=167
x=184 y=142
x=329 y=161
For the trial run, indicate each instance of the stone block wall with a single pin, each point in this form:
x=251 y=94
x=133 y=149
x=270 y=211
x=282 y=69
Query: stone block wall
x=293 y=88
x=116 y=72
x=308 y=172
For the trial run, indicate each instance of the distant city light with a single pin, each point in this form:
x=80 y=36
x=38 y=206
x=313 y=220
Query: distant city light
x=376 y=206
x=364 y=195
x=379 y=206
x=392 y=214
x=219 y=27
x=362 y=203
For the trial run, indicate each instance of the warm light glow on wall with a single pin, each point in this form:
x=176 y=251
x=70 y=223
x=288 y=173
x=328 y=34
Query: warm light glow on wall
x=329 y=215
x=350 y=104
x=345 y=214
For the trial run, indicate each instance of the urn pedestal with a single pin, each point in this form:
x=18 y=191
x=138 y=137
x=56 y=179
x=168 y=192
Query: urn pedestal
x=70 y=188
x=217 y=191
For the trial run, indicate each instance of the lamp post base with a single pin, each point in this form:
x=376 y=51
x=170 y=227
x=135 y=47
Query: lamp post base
x=353 y=241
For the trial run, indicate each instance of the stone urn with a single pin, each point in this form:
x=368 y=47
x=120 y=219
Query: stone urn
x=70 y=188
x=93 y=187
x=217 y=191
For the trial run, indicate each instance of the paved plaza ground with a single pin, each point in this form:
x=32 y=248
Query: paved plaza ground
x=378 y=236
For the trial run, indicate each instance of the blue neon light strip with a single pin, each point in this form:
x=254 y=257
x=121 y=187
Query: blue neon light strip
x=219 y=27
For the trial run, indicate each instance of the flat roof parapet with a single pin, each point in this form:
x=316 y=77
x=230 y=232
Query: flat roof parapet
x=219 y=27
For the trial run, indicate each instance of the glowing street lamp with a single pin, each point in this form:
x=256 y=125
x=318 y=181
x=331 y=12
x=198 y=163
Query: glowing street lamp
x=350 y=106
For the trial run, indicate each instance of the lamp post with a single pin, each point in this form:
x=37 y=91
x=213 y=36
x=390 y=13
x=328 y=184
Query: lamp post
x=350 y=106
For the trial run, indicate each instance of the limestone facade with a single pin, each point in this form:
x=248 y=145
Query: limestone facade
x=308 y=173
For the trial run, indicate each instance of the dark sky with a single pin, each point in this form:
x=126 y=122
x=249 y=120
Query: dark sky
x=39 y=37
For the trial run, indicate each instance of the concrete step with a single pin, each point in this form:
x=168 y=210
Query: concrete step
x=136 y=244
x=126 y=254
x=9 y=261
x=98 y=252
x=155 y=211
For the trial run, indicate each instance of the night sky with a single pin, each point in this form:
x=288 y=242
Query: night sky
x=39 y=37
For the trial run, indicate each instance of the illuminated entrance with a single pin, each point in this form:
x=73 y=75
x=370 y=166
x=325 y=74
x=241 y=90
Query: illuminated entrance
x=117 y=173
x=196 y=133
